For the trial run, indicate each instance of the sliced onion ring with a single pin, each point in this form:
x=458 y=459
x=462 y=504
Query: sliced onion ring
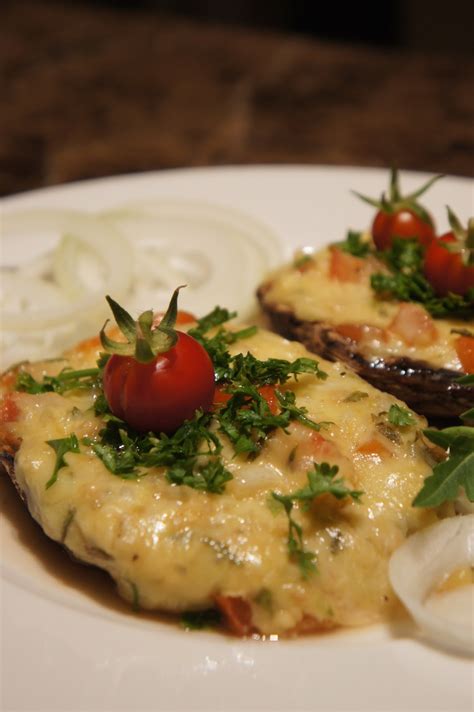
x=421 y=563
x=111 y=247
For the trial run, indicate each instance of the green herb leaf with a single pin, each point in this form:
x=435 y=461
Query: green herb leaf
x=400 y=416
x=290 y=410
x=191 y=455
x=449 y=476
x=248 y=369
x=355 y=244
x=246 y=419
x=66 y=380
x=321 y=480
x=61 y=447
x=446 y=437
x=306 y=560
x=408 y=283
x=210 y=477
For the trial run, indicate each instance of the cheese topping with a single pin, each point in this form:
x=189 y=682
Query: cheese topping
x=175 y=548
x=312 y=295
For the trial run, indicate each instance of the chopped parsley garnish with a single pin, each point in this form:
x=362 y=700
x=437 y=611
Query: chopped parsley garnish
x=321 y=480
x=407 y=282
x=61 y=446
x=217 y=345
x=248 y=369
x=191 y=456
x=66 y=380
x=355 y=244
x=399 y=416
x=247 y=419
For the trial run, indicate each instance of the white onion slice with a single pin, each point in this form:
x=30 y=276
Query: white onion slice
x=421 y=563
x=219 y=253
x=80 y=300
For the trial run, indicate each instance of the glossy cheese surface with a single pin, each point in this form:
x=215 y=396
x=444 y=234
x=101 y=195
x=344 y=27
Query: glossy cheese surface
x=174 y=548
x=312 y=295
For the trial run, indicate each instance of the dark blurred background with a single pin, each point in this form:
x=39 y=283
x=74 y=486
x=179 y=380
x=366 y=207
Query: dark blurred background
x=96 y=88
x=416 y=24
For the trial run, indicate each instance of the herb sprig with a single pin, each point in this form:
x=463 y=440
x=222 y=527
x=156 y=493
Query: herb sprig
x=453 y=473
x=355 y=245
x=67 y=380
x=321 y=480
x=192 y=455
x=61 y=446
x=407 y=282
x=457 y=471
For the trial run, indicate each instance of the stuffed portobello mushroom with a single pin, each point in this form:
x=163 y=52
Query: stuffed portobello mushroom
x=396 y=304
x=273 y=507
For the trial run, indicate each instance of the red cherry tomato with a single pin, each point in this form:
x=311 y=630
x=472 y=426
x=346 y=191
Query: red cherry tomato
x=403 y=223
x=445 y=270
x=162 y=394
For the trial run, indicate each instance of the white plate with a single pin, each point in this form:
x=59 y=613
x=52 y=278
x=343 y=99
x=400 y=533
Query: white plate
x=67 y=644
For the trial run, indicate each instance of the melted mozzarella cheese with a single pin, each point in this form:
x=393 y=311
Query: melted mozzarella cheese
x=174 y=548
x=313 y=296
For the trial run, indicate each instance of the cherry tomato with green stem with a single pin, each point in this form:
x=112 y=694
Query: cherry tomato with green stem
x=160 y=377
x=400 y=216
x=449 y=260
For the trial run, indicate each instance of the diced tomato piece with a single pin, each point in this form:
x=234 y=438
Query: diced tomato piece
x=8 y=379
x=345 y=267
x=374 y=449
x=310 y=624
x=9 y=410
x=312 y=447
x=267 y=392
x=414 y=325
x=220 y=396
x=354 y=332
x=237 y=614
x=361 y=332
x=465 y=350
x=321 y=449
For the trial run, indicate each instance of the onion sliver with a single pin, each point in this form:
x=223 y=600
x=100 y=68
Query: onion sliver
x=80 y=301
x=422 y=563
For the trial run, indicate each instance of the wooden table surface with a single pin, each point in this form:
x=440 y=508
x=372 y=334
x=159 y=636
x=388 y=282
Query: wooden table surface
x=94 y=92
